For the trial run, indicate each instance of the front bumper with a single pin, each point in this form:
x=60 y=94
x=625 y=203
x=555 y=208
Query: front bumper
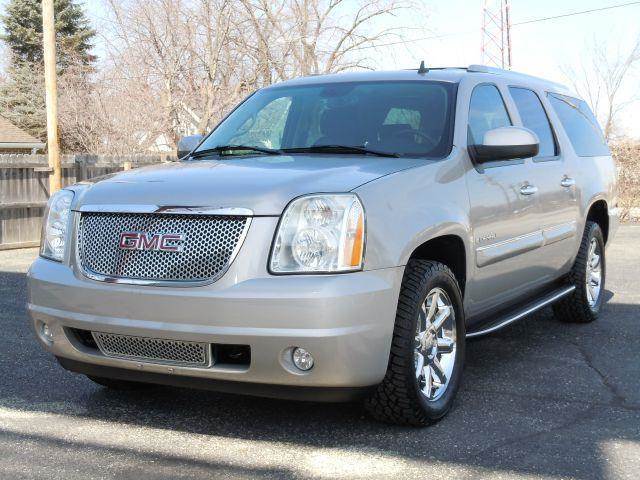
x=346 y=322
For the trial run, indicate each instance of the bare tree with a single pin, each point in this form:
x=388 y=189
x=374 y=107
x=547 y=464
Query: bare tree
x=175 y=67
x=304 y=37
x=202 y=56
x=600 y=79
x=150 y=42
x=105 y=115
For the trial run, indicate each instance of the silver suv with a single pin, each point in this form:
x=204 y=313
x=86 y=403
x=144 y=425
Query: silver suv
x=335 y=237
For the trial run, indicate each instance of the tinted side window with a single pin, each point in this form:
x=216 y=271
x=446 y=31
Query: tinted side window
x=486 y=112
x=535 y=118
x=580 y=124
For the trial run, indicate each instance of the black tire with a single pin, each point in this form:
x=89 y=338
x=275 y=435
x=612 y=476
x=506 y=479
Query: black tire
x=576 y=308
x=121 y=385
x=398 y=398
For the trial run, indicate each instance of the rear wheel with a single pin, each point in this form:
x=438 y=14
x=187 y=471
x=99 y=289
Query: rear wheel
x=588 y=276
x=427 y=350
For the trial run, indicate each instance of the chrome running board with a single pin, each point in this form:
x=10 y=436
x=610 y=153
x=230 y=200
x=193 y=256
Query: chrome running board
x=503 y=321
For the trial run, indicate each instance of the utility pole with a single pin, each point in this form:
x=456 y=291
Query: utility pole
x=50 y=81
x=496 y=33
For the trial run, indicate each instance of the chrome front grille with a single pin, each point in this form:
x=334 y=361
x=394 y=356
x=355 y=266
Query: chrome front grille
x=154 y=350
x=209 y=244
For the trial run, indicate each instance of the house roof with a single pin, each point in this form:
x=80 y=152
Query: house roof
x=14 y=137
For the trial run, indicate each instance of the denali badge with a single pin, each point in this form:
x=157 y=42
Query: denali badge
x=166 y=242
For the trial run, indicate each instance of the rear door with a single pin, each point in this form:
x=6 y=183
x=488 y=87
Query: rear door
x=553 y=176
x=503 y=212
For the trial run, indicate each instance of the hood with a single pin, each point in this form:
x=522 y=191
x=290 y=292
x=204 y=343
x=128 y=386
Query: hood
x=264 y=184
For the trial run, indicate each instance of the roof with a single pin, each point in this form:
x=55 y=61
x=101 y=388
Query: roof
x=443 y=74
x=450 y=75
x=15 y=138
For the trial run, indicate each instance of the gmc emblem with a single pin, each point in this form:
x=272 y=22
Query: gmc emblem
x=165 y=242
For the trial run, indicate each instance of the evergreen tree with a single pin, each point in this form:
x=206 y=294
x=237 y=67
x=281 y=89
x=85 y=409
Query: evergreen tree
x=22 y=22
x=22 y=94
x=22 y=98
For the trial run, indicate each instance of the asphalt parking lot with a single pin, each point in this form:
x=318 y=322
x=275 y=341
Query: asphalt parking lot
x=540 y=399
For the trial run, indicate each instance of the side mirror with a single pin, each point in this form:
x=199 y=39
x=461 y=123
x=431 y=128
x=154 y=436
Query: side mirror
x=187 y=144
x=505 y=143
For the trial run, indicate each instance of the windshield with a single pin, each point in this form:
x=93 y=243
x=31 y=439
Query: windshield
x=411 y=118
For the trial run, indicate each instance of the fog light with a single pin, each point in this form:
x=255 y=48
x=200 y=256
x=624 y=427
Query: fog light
x=46 y=332
x=302 y=359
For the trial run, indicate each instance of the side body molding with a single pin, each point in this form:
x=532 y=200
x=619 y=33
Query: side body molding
x=560 y=232
x=490 y=254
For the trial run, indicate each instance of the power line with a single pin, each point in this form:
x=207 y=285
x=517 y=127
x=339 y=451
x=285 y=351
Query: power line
x=582 y=12
x=525 y=22
x=401 y=42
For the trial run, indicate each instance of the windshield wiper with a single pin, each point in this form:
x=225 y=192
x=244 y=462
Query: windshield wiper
x=220 y=149
x=339 y=149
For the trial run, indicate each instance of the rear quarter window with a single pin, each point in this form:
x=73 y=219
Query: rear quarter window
x=580 y=125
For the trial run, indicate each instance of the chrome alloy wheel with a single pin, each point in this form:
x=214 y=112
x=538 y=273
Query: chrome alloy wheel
x=594 y=273
x=435 y=344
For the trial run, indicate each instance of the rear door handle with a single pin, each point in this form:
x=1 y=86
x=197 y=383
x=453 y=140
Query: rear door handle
x=567 y=182
x=528 y=189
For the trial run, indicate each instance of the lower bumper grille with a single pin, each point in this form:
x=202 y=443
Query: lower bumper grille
x=154 y=350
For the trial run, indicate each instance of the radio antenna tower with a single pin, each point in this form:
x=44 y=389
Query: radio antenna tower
x=496 y=34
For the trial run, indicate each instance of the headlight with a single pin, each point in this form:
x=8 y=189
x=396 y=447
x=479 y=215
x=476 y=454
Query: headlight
x=320 y=233
x=56 y=225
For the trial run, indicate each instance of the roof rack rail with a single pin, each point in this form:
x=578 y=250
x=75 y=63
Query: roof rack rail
x=502 y=71
x=447 y=68
x=438 y=68
x=486 y=69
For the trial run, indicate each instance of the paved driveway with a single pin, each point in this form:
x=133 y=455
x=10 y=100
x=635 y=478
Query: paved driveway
x=540 y=400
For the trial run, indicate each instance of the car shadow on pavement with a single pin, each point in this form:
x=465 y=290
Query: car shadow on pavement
x=136 y=464
x=540 y=397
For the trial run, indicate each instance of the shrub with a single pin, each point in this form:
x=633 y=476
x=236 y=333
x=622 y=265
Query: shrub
x=627 y=156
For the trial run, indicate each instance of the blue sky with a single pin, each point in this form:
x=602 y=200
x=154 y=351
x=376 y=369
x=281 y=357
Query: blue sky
x=538 y=48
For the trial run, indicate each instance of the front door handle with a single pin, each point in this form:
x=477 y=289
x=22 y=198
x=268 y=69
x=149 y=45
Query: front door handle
x=567 y=182
x=528 y=189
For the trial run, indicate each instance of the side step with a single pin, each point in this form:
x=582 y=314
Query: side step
x=513 y=316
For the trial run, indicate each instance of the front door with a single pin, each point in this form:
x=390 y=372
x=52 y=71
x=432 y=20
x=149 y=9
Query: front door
x=503 y=214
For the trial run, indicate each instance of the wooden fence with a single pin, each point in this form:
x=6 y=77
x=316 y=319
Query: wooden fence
x=24 y=189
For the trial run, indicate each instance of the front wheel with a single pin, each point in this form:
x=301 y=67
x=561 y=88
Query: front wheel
x=427 y=349
x=588 y=277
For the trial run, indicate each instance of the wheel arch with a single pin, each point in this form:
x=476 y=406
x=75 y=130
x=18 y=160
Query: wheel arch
x=598 y=212
x=449 y=249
